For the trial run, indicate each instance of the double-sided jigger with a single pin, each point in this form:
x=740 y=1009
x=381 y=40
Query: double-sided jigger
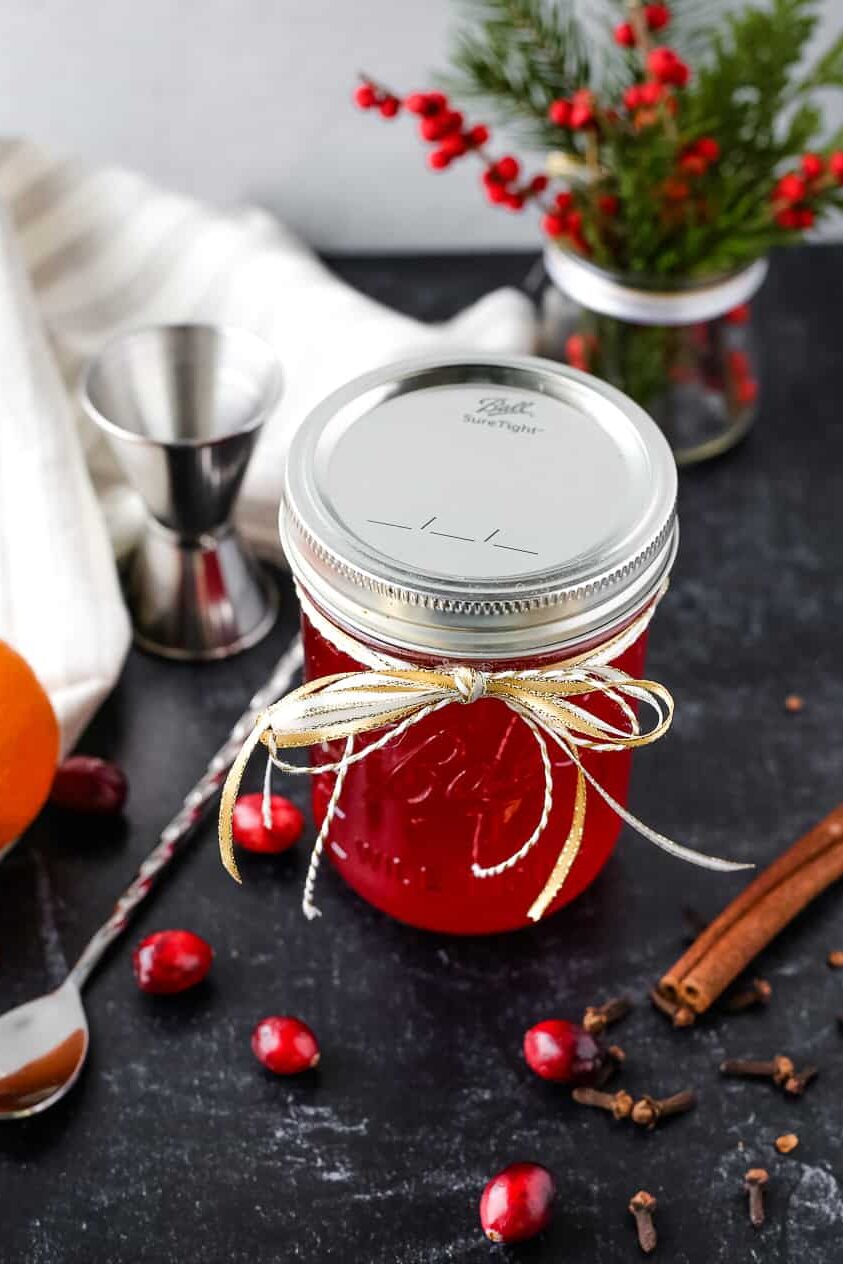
x=182 y=407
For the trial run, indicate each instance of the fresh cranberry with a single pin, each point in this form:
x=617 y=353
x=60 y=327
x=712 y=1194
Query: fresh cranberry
x=84 y=783
x=250 y=831
x=285 y=1045
x=171 y=961
x=562 y=1051
x=517 y=1203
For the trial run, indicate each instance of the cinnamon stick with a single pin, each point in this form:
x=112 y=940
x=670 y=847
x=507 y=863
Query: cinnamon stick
x=756 y=916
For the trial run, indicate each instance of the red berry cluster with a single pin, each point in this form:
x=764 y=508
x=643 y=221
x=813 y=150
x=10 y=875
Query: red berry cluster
x=501 y=182
x=438 y=123
x=443 y=127
x=697 y=157
x=564 y=220
x=642 y=100
x=665 y=66
x=368 y=97
x=577 y=113
x=795 y=192
x=656 y=16
x=446 y=129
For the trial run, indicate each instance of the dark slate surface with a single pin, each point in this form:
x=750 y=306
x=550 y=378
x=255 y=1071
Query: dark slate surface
x=176 y=1147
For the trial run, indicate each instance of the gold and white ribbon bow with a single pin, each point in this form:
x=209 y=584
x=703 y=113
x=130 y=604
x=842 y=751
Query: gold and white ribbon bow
x=392 y=698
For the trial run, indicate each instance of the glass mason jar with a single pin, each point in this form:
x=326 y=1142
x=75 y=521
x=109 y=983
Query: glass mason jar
x=682 y=350
x=496 y=513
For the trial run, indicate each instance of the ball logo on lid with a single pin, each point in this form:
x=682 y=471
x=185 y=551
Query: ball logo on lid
x=501 y=412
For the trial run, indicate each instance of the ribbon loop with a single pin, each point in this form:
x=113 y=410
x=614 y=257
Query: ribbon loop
x=393 y=697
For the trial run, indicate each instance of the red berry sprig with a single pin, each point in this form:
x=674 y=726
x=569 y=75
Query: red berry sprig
x=656 y=16
x=368 y=97
x=797 y=193
x=453 y=138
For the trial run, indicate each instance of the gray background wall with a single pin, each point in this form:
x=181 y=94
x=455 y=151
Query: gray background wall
x=249 y=100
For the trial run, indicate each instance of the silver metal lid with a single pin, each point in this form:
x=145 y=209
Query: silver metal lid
x=483 y=507
x=662 y=303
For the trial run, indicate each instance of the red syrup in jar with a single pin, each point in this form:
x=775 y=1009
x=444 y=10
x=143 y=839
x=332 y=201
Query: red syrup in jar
x=463 y=785
x=496 y=513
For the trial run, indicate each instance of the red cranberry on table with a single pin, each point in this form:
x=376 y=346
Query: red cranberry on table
x=84 y=783
x=171 y=961
x=250 y=831
x=564 y=1052
x=517 y=1203
x=285 y=1045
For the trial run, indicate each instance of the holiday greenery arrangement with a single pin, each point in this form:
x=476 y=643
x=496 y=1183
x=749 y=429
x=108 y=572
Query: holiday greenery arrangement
x=683 y=158
x=678 y=151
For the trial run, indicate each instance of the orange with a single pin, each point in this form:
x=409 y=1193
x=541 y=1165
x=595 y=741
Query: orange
x=29 y=745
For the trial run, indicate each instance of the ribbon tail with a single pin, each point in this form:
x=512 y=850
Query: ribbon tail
x=699 y=858
x=567 y=855
x=229 y=796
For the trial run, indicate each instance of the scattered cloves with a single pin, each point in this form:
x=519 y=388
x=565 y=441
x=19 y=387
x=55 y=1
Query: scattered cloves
x=797 y=1083
x=679 y=1015
x=598 y=1017
x=778 y=1069
x=618 y=1104
x=757 y=993
x=648 y=1111
x=641 y=1206
x=754 y=1182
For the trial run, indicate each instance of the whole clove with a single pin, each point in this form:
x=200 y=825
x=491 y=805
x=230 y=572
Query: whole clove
x=648 y=1111
x=754 y=1182
x=641 y=1206
x=757 y=993
x=796 y=1084
x=598 y=1017
x=618 y=1104
x=778 y=1069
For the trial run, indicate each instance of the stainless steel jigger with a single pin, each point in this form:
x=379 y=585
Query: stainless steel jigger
x=182 y=407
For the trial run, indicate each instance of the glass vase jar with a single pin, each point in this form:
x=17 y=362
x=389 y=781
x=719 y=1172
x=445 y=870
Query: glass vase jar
x=682 y=350
x=493 y=514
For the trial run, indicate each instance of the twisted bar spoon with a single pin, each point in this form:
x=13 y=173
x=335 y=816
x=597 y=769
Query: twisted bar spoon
x=43 y=1043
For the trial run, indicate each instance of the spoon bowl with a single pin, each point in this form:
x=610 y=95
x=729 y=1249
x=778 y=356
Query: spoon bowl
x=43 y=1046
